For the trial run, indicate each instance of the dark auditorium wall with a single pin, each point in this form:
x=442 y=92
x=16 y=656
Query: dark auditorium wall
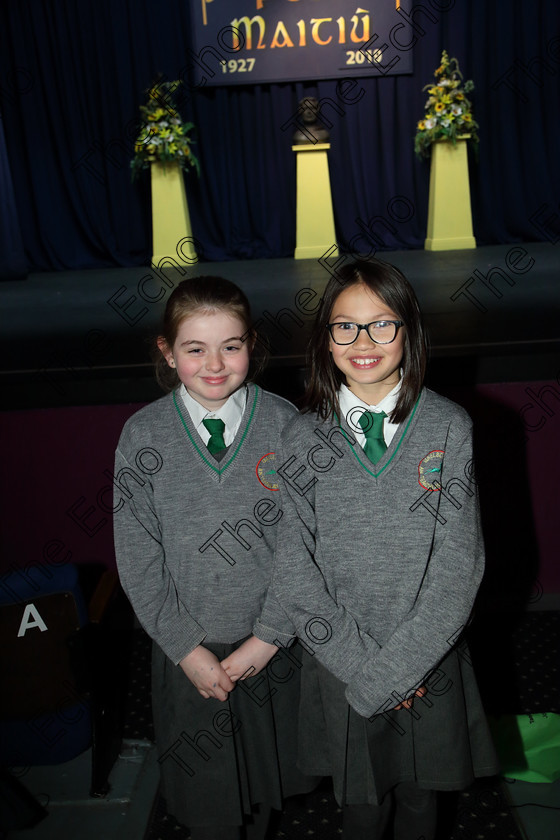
x=72 y=76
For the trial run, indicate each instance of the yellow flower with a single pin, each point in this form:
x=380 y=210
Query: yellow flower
x=421 y=125
x=459 y=96
x=467 y=118
x=439 y=107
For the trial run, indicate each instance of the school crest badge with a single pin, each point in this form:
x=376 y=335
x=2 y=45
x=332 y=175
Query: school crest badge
x=429 y=470
x=266 y=471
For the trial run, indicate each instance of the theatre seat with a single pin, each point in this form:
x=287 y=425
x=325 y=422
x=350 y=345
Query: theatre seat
x=61 y=652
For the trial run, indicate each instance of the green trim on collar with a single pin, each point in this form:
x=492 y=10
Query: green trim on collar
x=218 y=470
x=357 y=446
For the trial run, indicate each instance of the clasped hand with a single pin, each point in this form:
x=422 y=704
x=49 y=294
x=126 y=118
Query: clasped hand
x=249 y=658
x=204 y=670
x=213 y=678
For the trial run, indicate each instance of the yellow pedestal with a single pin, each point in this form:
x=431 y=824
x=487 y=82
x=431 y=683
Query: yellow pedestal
x=315 y=221
x=449 y=208
x=171 y=223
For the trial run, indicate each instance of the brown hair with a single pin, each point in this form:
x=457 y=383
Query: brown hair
x=389 y=284
x=196 y=296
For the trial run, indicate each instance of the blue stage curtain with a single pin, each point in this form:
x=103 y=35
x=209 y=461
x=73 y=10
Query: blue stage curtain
x=73 y=74
x=13 y=263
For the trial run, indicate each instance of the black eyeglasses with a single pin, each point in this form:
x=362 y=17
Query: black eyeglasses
x=382 y=332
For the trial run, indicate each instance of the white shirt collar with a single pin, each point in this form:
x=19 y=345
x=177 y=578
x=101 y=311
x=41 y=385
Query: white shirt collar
x=349 y=402
x=231 y=412
x=387 y=404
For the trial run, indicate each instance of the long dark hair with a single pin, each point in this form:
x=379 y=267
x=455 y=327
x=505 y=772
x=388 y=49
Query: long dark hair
x=200 y=296
x=389 y=284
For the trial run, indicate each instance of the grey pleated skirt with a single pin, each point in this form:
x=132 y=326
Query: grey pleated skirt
x=443 y=743
x=219 y=759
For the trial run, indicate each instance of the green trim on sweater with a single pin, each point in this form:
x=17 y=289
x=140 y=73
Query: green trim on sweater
x=218 y=470
x=357 y=446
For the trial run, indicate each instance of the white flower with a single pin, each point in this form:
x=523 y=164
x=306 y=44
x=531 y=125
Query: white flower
x=430 y=122
x=163 y=123
x=446 y=122
x=456 y=109
x=445 y=82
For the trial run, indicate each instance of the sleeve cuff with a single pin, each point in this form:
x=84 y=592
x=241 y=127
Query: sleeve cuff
x=359 y=702
x=272 y=636
x=179 y=647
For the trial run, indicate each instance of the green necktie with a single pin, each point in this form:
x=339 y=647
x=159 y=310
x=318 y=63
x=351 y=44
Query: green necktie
x=372 y=425
x=216 y=428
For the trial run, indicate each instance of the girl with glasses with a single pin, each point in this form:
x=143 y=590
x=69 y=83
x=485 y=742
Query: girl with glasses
x=379 y=559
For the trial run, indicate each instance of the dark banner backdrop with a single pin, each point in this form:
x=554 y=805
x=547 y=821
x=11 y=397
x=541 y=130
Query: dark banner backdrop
x=74 y=72
x=290 y=40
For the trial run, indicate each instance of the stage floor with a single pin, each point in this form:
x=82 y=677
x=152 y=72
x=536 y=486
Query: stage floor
x=83 y=337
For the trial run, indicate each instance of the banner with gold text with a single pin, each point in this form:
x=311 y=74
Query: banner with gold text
x=255 y=41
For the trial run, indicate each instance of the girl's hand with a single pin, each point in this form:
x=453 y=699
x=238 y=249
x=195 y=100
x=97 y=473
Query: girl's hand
x=250 y=658
x=206 y=674
x=406 y=704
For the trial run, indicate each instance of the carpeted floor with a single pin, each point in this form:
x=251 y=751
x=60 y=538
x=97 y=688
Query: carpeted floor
x=481 y=813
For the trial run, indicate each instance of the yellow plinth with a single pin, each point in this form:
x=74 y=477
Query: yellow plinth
x=449 y=209
x=171 y=223
x=315 y=221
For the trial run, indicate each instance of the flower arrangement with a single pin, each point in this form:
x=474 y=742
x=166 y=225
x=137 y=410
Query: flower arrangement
x=163 y=135
x=448 y=111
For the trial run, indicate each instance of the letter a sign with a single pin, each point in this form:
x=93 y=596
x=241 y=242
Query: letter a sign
x=31 y=618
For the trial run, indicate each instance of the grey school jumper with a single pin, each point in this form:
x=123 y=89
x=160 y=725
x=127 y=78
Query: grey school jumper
x=379 y=565
x=194 y=537
x=194 y=540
